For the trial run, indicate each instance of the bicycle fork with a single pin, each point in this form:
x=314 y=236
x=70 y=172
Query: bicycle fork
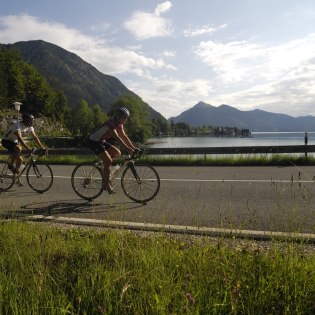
x=131 y=164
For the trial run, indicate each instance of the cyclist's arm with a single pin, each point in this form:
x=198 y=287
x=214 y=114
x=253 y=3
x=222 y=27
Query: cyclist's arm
x=36 y=139
x=21 y=140
x=122 y=135
x=122 y=141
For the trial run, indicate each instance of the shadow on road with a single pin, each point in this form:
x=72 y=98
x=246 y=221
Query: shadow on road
x=68 y=207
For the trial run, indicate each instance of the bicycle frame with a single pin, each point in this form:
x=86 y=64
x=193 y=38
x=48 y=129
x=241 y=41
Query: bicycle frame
x=128 y=161
x=140 y=182
x=31 y=161
x=39 y=176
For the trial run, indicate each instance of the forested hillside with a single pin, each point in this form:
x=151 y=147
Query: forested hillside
x=45 y=96
x=75 y=77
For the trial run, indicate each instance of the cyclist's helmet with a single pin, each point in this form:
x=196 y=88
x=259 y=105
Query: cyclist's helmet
x=28 y=119
x=121 y=112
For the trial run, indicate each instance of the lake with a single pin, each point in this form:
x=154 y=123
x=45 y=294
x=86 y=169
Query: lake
x=256 y=139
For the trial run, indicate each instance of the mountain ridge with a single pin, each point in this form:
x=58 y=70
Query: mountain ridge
x=255 y=120
x=77 y=78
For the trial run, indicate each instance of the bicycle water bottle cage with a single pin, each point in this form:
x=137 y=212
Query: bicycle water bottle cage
x=130 y=163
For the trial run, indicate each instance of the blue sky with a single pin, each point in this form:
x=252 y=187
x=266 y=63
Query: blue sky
x=245 y=53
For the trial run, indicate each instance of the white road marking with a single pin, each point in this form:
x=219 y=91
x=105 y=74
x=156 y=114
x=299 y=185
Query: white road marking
x=221 y=180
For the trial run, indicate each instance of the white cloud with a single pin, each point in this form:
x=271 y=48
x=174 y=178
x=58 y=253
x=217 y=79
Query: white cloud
x=206 y=29
x=239 y=61
x=169 y=53
x=293 y=94
x=106 y=58
x=145 y=25
x=170 y=96
x=277 y=78
x=163 y=7
x=24 y=27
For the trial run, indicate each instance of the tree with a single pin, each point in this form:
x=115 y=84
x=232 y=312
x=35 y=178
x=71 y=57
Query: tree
x=81 y=122
x=139 y=125
x=12 y=87
x=98 y=116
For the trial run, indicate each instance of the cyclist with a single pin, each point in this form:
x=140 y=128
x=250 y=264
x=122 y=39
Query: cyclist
x=98 y=142
x=13 y=140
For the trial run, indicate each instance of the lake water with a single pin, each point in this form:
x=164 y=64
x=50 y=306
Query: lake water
x=256 y=139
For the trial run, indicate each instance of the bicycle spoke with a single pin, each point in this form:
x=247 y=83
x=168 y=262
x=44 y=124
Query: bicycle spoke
x=6 y=176
x=39 y=177
x=87 y=181
x=140 y=184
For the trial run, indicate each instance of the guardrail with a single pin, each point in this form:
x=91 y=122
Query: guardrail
x=199 y=150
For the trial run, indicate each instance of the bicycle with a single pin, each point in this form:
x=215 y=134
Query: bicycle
x=140 y=181
x=39 y=176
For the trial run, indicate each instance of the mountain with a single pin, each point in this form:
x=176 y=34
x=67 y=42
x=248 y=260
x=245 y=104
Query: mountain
x=69 y=73
x=254 y=120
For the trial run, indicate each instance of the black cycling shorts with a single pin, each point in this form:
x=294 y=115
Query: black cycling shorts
x=9 y=145
x=98 y=147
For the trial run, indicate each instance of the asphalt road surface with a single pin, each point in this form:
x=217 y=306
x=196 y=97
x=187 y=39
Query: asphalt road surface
x=251 y=198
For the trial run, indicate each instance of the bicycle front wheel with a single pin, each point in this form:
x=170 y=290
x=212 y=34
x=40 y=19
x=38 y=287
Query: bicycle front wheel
x=39 y=176
x=87 y=181
x=140 y=182
x=6 y=176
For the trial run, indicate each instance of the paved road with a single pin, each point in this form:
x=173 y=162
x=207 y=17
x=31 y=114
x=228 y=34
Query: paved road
x=253 y=198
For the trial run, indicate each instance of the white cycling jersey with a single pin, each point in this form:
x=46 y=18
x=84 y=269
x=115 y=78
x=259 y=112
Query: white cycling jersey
x=11 y=133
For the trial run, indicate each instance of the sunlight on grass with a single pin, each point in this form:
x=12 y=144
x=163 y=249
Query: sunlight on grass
x=46 y=270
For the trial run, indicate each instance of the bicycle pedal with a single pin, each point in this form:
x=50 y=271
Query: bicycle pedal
x=19 y=183
x=110 y=190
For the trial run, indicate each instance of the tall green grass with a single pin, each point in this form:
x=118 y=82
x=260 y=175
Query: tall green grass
x=75 y=271
x=225 y=160
x=195 y=160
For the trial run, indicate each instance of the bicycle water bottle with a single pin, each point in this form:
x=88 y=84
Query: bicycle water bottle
x=23 y=165
x=116 y=168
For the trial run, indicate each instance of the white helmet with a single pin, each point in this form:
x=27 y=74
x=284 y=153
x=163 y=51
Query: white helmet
x=123 y=111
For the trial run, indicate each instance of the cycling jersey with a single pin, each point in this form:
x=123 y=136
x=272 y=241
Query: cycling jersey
x=104 y=132
x=18 y=126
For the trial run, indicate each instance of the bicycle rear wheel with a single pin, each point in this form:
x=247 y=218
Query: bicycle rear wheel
x=39 y=176
x=6 y=176
x=140 y=182
x=87 y=181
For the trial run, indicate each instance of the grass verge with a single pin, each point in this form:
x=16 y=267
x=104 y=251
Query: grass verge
x=243 y=160
x=86 y=271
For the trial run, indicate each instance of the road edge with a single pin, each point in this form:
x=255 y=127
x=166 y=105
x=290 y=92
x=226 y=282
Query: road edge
x=191 y=230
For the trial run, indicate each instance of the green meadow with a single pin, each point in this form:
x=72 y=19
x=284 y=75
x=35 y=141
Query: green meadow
x=59 y=270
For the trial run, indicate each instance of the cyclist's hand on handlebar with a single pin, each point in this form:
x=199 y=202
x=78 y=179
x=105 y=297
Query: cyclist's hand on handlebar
x=42 y=151
x=130 y=151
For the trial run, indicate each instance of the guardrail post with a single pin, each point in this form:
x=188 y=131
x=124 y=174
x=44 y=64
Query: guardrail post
x=305 y=142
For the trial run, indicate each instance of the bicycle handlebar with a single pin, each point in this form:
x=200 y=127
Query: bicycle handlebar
x=41 y=152
x=135 y=155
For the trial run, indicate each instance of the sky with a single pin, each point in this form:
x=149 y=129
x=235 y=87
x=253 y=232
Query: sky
x=249 y=54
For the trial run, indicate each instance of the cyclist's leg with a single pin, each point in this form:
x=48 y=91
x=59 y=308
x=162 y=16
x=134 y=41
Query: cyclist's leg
x=14 y=150
x=113 y=151
x=107 y=162
x=100 y=149
x=18 y=158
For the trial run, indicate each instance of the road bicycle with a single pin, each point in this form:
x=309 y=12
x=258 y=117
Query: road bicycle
x=39 y=175
x=139 y=181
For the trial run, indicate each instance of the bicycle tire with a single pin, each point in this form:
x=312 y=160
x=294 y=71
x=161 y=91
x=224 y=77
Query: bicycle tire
x=143 y=188
x=87 y=181
x=40 y=177
x=6 y=176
